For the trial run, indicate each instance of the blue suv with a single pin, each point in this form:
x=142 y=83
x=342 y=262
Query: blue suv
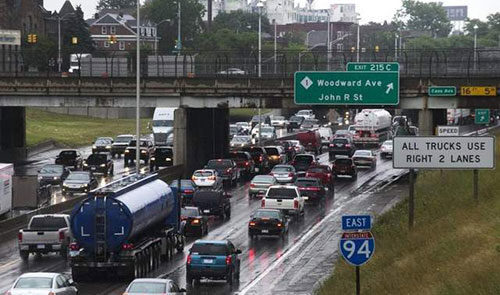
x=213 y=260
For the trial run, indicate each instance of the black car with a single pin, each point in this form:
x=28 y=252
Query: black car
x=162 y=157
x=213 y=202
x=259 y=156
x=120 y=143
x=264 y=119
x=289 y=149
x=302 y=162
x=146 y=149
x=102 y=145
x=99 y=163
x=193 y=222
x=227 y=170
x=79 y=182
x=244 y=161
x=341 y=146
x=52 y=174
x=294 y=123
x=310 y=188
x=268 y=222
x=345 y=166
x=70 y=158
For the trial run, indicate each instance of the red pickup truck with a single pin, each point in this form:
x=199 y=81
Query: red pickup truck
x=311 y=140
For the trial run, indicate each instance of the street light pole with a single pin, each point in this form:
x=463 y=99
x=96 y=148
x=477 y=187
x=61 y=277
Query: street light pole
x=179 y=43
x=275 y=46
x=396 y=47
x=328 y=49
x=259 y=70
x=156 y=28
x=59 y=43
x=357 y=42
x=138 y=91
x=475 y=46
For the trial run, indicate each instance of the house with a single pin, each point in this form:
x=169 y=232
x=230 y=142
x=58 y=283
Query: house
x=116 y=31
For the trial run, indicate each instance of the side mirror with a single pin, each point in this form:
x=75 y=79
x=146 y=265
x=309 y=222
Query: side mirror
x=149 y=126
x=238 y=251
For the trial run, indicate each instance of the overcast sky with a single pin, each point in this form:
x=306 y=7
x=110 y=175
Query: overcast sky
x=370 y=10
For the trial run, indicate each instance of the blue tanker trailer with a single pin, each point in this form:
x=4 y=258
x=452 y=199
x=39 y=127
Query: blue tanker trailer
x=125 y=228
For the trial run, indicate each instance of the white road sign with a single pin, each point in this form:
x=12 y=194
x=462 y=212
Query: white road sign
x=448 y=131
x=434 y=152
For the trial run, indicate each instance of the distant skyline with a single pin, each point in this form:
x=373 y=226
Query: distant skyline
x=370 y=10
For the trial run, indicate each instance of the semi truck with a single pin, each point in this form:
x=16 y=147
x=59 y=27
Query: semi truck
x=163 y=126
x=125 y=228
x=372 y=127
x=6 y=172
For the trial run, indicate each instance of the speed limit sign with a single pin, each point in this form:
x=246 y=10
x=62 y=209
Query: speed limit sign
x=357 y=247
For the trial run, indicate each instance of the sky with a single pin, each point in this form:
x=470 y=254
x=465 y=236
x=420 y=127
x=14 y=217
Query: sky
x=370 y=10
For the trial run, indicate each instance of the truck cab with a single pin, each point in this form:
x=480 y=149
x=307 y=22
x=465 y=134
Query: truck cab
x=163 y=126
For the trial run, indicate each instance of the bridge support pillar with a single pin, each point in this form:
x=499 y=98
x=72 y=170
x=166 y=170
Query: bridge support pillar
x=12 y=134
x=200 y=135
x=428 y=120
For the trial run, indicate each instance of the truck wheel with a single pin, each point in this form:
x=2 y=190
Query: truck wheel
x=24 y=255
x=64 y=253
x=228 y=214
x=229 y=278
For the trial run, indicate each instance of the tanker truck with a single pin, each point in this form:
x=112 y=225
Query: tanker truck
x=125 y=228
x=372 y=127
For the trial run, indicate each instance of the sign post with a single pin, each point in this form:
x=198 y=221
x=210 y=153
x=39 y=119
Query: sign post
x=357 y=243
x=482 y=116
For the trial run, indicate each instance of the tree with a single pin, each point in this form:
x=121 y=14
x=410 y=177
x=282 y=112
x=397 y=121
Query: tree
x=40 y=54
x=482 y=27
x=75 y=26
x=192 y=12
x=115 y=4
x=241 y=21
x=427 y=17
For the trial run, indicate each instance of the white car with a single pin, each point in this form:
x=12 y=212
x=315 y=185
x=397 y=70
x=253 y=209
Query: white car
x=240 y=140
x=245 y=126
x=386 y=149
x=268 y=133
x=279 y=122
x=284 y=197
x=43 y=283
x=153 y=286
x=364 y=158
x=233 y=71
x=207 y=178
x=326 y=135
x=306 y=114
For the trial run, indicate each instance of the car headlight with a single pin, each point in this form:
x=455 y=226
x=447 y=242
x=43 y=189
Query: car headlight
x=84 y=185
x=40 y=178
x=103 y=165
x=143 y=152
x=168 y=159
x=152 y=158
x=85 y=164
x=56 y=178
x=127 y=151
x=108 y=147
x=94 y=147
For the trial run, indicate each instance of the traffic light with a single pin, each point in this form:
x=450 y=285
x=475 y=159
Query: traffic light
x=353 y=49
x=377 y=48
x=74 y=40
x=30 y=38
x=35 y=38
x=112 y=39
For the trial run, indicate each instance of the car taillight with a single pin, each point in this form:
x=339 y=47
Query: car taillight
x=127 y=246
x=332 y=145
x=188 y=259
x=247 y=163
x=252 y=184
x=228 y=260
x=211 y=178
x=252 y=223
x=348 y=145
x=373 y=135
x=328 y=175
x=228 y=170
x=279 y=225
x=74 y=247
x=290 y=174
x=20 y=237
x=195 y=221
x=61 y=236
x=188 y=191
x=263 y=203
x=261 y=158
x=314 y=189
x=296 y=204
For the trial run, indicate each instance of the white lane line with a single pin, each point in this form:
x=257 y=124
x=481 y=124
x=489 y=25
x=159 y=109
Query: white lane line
x=286 y=254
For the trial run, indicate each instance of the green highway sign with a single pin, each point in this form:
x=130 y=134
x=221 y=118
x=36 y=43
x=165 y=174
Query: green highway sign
x=442 y=91
x=346 y=88
x=373 y=67
x=482 y=116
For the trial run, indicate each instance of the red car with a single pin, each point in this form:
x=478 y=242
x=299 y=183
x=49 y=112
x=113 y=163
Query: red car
x=311 y=140
x=323 y=173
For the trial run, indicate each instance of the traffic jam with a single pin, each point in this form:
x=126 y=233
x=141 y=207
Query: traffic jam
x=134 y=230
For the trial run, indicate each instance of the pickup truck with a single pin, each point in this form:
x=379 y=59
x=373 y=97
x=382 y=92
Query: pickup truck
x=45 y=234
x=284 y=197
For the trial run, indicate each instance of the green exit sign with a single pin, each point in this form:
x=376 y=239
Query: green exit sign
x=482 y=116
x=346 y=88
x=372 y=67
x=442 y=91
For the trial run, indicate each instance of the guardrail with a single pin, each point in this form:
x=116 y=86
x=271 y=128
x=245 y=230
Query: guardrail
x=10 y=226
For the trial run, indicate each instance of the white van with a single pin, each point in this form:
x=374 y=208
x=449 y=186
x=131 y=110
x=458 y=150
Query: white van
x=163 y=126
x=6 y=172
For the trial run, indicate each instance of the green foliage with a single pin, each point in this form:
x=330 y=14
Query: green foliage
x=75 y=26
x=192 y=12
x=482 y=27
x=228 y=40
x=38 y=55
x=424 y=17
x=115 y=4
x=241 y=21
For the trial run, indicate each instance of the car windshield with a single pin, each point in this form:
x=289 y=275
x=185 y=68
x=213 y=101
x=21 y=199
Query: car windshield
x=343 y=161
x=363 y=153
x=272 y=151
x=147 y=287
x=122 y=139
x=296 y=119
x=203 y=173
x=233 y=129
x=184 y=183
x=78 y=176
x=96 y=159
x=263 y=179
x=67 y=154
x=318 y=170
x=242 y=124
x=217 y=164
x=267 y=214
x=256 y=118
x=279 y=118
x=282 y=169
x=341 y=132
x=34 y=283
x=303 y=112
x=239 y=156
x=254 y=151
x=267 y=129
x=190 y=212
x=309 y=122
x=102 y=141
x=48 y=222
x=303 y=159
x=164 y=152
x=143 y=143
x=307 y=182
x=340 y=141
x=241 y=139
x=209 y=249
x=281 y=193
x=163 y=123
x=51 y=169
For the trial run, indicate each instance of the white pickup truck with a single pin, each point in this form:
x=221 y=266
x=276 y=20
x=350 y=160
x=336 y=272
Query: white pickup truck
x=284 y=197
x=45 y=234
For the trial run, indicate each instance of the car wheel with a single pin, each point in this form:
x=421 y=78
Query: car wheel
x=24 y=255
x=189 y=279
x=112 y=172
x=125 y=163
x=229 y=278
x=228 y=214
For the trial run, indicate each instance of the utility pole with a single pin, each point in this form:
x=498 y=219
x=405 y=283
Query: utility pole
x=328 y=49
x=138 y=91
x=179 y=43
x=59 y=43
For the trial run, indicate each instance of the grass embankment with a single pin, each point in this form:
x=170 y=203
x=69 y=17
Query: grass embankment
x=454 y=248
x=73 y=130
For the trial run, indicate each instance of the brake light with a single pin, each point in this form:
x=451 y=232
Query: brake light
x=290 y=174
x=348 y=145
x=332 y=145
x=328 y=175
x=296 y=204
x=20 y=237
x=195 y=221
x=127 y=246
x=228 y=260
x=188 y=191
x=188 y=260
x=61 y=236
x=252 y=223
x=263 y=203
x=260 y=158
x=252 y=184
x=314 y=189
x=211 y=178
x=279 y=224
x=74 y=247
x=247 y=163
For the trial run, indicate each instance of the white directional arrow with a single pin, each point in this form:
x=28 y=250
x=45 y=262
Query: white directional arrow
x=390 y=87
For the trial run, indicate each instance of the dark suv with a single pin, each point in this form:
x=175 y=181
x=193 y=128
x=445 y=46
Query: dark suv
x=213 y=260
x=120 y=144
x=146 y=149
x=162 y=156
x=259 y=156
x=244 y=161
x=212 y=202
x=227 y=170
x=341 y=146
x=294 y=123
x=99 y=163
x=70 y=158
x=102 y=145
x=345 y=166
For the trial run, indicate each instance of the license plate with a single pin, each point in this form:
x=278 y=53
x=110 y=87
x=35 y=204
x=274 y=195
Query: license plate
x=206 y=211
x=342 y=171
x=40 y=246
x=265 y=231
x=93 y=168
x=202 y=180
x=256 y=169
x=208 y=261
